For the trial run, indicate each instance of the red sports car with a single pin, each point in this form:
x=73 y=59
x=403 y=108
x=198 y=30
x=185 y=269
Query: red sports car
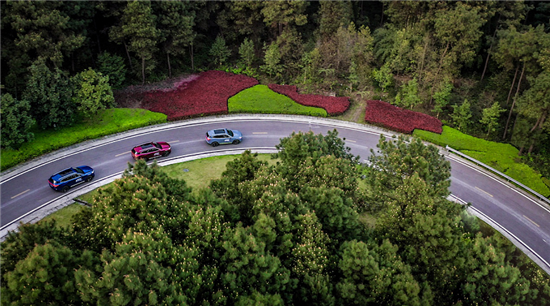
x=151 y=150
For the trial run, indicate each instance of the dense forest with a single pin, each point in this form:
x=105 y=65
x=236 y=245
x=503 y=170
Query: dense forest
x=480 y=66
x=296 y=232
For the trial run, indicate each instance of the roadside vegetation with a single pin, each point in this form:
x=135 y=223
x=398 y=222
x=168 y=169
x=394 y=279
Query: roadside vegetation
x=105 y=122
x=500 y=156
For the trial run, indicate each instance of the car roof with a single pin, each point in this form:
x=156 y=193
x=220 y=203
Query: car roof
x=144 y=146
x=63 y=173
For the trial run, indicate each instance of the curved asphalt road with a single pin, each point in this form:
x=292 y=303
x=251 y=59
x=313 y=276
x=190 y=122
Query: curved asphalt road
x=27 y=197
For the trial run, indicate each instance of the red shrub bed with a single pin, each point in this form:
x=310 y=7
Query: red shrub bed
x=333 y=105
x=400 y=120
x=207 y=94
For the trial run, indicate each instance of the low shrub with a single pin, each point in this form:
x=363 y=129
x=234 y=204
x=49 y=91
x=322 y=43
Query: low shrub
x=333 y=105
x=398 y=119
x=261 y=99
x=205 y=95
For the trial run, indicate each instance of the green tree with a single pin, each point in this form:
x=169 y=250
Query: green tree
x=442 y=96
x=16 y=122
x=176 y=28
x=402 y=158
x=92 y=93
x=43 y=30
x=408 y=96
x=535 y=103
x=49 y=93
x=112 y=66
x=19 y=244
x=272 y=60
x=491 y=116
x=132 y=274
x=428 y=231
x=384 y=77
x=282 y=14
x=139 y=32
x=376 y=275
x=490 y=278
x=461 y=115
x=333 y=15
x=45 y=276
x=219 y=51
x=246 y=51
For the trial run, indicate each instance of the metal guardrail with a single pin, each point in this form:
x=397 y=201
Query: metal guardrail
x=509 y=179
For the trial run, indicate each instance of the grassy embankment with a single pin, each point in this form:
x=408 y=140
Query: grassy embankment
x=500 y=156
x=106 y=122
x=261 y=99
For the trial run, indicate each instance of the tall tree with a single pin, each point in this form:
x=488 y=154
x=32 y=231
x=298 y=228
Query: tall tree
x=333 y=15
x=92 y=93
x=43 y=30
x=376 y=275
x=138 y=30
x=246 y=51
x=112 y=66
x=461 y=115
x=16 y=122
x=176 y=28
x=281 y=14
x=50 y=95
x=491 y=116
x=219 y=51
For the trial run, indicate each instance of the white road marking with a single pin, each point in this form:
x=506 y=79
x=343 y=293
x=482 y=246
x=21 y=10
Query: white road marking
x=259 y=133
x=15 y=196
x=350 y=140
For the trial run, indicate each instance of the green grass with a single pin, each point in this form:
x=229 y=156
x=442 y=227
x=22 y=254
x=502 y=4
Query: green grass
x=502 y=157
x=106 y=122
x=63 y=216
x=202 y=171
x=261 y=99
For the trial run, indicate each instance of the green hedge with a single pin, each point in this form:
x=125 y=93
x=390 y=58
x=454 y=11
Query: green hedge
x=261 y=99
x=106 y=122
x=502 y=157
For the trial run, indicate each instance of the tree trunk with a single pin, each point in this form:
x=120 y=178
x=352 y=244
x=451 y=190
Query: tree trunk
x=531 y=147
x=169 y=67
x=512 y=87
x=521 y=150
x=513 y=102
x=143 y=70
x=128 y=54
x=437 y=72
x=192 y=61
x=488 y=55
x=422 y=62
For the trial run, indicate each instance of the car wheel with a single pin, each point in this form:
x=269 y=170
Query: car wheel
x=236 y=141
x=215 y=144
x=165 y=154
x=89 y=178
x=145 y=158
x=65 y=189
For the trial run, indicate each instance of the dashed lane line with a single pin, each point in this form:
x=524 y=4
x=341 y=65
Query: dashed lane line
x=15 y=196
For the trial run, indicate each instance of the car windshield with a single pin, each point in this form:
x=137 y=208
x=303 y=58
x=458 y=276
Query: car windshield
x=157 y=145
x=230 y=132
x=79 y=170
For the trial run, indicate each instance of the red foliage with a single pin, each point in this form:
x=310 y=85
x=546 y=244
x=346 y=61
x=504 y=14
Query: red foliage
x=207 y=94
x=400 y=120
x=333 y=105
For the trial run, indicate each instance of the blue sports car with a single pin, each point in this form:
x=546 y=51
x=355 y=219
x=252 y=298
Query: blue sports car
x=65 y=179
